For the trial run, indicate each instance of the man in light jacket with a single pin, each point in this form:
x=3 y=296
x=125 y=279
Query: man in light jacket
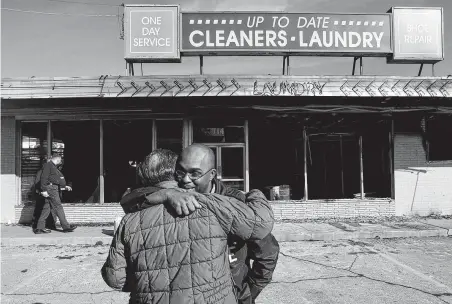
x=161 y=257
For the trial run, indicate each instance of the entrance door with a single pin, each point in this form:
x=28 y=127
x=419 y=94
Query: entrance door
x=230 y=165
x=228 y=140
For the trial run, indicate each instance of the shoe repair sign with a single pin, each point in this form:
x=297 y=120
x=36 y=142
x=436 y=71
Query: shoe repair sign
x=256 y=33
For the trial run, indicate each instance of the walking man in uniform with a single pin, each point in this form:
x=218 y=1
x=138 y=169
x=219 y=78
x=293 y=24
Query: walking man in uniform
x=51 y=184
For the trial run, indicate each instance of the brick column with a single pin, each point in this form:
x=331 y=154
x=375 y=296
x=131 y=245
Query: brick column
x=10 y=181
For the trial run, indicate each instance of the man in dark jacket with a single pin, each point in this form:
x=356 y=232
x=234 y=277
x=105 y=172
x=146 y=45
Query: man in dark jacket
x=161 y=257
x=51 y=184
x=195 y=171
x=40 y=203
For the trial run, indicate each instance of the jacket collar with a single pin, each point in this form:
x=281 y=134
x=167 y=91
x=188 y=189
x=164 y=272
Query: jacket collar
x=167 y=184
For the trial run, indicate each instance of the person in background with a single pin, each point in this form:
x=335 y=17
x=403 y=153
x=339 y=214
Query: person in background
x=51 y=184
x=161 y=257
x=40 y=202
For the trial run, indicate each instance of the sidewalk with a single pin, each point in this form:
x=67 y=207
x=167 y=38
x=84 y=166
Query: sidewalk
x=17 y=235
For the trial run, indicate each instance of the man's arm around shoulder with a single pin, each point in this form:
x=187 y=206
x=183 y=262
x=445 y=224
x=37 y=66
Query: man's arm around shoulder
x=246 y=221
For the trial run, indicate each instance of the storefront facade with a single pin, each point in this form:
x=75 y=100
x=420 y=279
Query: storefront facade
x=318 y=146
x=345 y=146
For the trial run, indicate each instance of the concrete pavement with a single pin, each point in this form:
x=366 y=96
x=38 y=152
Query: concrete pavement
x=18 y=235
x=372 y=271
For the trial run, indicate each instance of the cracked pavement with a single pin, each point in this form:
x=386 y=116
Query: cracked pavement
x=412 y=270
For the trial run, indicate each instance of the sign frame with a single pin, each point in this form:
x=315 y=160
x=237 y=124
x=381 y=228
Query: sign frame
x=391 y=59
x=288 y=52
x=145 y=58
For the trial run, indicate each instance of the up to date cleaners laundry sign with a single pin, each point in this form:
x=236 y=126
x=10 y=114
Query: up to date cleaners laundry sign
x=151 y=32
x=260 y=33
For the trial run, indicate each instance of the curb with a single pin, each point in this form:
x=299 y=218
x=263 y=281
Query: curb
x=280 y=236
x=333 y=236
x=30 y=241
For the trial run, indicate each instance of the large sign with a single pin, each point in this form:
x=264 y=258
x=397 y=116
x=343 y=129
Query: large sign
x=418 y=34
x=151 y=33
x=283 y=33
x=160 y=33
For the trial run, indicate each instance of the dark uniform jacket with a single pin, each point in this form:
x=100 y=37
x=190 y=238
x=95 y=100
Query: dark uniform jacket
x=51 y=178
x=250 y=281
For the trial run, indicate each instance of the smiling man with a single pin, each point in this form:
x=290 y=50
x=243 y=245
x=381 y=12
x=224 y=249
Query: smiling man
x=195 y=170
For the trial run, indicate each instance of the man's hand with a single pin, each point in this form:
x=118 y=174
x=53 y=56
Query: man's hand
x=45 y=194
x=184 y=203
x=68 y=188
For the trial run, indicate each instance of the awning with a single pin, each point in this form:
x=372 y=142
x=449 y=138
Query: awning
x=225 y=85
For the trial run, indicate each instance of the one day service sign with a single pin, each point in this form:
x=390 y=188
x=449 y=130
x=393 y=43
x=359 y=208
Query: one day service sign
x=151 y=33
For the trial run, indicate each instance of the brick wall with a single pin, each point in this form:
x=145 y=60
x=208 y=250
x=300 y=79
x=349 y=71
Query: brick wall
x=106 y=213
x=78 y=213
x=421 y=187
x=333 y=209
x=9 y=180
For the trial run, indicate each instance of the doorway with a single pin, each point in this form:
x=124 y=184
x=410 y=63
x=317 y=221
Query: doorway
x=227 y=139
x=333 y=166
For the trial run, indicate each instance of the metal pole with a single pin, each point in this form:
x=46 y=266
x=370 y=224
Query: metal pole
x=284 y=65
x=247 y=158
x=342 y=165
x=131 y=70
x=49 y=139
x=360 y=65
x=354 y=65
x=391 y=157
x=288 y=66
x=361 y=166
x=201 y=65
x=433 y=69
x=154 y=134
x=420 y=69
x=101 y=164
x=305 y=140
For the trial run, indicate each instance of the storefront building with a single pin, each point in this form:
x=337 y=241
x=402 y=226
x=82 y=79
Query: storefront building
x=318 y=146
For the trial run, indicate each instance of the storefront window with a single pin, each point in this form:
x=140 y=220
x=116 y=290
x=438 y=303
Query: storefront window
x=277 y=156
x=33 y=156
x=439 y=131
x=78 y=143
x=232 y=163
x=218 y=131
x=333 y=166
x=169 y=135
x=126 y=143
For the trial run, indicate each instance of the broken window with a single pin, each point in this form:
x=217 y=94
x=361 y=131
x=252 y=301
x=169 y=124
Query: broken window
x=439 y=137
x=332 y=159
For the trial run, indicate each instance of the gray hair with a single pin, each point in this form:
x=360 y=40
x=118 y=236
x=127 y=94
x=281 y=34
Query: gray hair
x=158 y=166
x=54 y=155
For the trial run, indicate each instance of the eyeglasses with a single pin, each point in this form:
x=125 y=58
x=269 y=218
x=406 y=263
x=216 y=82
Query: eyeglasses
x=193 y=176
